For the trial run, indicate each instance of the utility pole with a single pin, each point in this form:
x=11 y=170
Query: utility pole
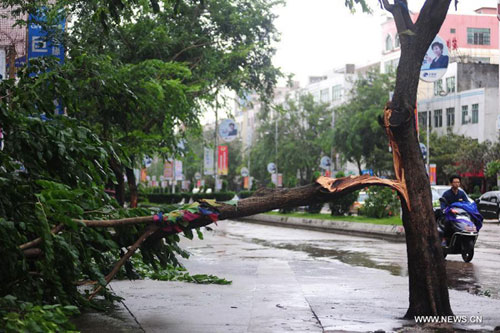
x=216 y=148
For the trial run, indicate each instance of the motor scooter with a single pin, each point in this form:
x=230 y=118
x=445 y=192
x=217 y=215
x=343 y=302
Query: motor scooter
x=458 y=228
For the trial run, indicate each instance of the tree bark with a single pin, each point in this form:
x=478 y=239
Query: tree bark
x=428 y=291
x=120 y=182
x=132 y=185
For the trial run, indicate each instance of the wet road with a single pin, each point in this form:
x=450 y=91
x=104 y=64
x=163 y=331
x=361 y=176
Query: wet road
x=479 y=277
x=296 y=280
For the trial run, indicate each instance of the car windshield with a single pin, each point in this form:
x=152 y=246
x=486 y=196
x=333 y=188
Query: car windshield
x=441 y=191
x=435 y=195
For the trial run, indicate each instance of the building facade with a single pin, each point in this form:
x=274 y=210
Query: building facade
x=465 y=102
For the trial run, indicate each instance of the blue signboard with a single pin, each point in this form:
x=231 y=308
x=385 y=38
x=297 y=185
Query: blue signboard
x=38 y=44
x=41 y=46
x=367 y=172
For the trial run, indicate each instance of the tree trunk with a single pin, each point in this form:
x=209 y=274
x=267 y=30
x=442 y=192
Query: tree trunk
x=426 y=266
x=120 y=182
x=132 y=185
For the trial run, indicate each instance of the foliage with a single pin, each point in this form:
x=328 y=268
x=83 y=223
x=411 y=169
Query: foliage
x=175 y=273
x=17 y=316
x=394 y=220
x=357 y=134
x=341 y=205
x=134 y=80
x=492 y=168
x=381 y=202
x=304 y=136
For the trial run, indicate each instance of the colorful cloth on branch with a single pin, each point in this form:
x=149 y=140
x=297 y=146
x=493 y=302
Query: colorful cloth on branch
x=172 y=221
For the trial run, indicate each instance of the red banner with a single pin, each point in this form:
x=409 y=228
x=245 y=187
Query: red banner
x=246 y=183
x=143 y=175
x=222 y=161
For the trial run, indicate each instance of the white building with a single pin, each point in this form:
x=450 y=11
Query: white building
x=465 y=101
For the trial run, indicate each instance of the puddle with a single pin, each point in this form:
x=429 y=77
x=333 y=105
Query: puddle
x=354 y=258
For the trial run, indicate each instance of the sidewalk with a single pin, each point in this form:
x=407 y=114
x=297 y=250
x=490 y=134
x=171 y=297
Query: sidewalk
x=390 y=232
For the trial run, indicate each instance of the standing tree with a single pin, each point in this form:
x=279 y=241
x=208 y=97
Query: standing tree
x=426 y=267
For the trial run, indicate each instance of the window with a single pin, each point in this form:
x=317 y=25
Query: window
x=450 y=84
x=438 y=87
x=422 y=119
x=450 y=117
x=475 y=113
x=336 y=92
x=438 y=118
x=452 y=30
x=396 y=41
x=465 y=114
x=388 y=43
x=493 y=199
x=478 y=36
x=324 y=95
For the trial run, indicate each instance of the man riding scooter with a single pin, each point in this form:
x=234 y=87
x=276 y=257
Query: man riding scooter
x=458 y=221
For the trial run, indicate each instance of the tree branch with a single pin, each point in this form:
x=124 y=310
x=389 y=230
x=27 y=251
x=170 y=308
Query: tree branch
x=384 y=4
x=38 y=240
x=149 y=231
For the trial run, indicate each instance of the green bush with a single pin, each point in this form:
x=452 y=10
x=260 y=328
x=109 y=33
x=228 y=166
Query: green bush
x=314 y=208
x=245 y=194
x=165 y=198
x=474 y=196
x=381 y=202
x=224 y=196
x=198 y=196
x=340 y=206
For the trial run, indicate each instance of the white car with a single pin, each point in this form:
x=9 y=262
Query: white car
x=440 y=189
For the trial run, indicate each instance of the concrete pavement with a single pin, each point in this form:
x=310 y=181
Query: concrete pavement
x=277 y=289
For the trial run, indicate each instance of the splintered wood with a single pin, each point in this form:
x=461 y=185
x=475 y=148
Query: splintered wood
x=337 y=185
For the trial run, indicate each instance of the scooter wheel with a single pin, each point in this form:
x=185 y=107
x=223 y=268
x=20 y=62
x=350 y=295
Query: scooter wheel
x=467 y=249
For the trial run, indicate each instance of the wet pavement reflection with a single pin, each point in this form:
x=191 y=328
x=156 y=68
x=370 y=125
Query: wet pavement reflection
x=479 y=277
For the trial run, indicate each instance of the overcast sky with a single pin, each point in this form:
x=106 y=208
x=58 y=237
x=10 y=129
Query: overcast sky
x=319 y=35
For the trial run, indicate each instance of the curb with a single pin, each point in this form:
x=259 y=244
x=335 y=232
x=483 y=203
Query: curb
x=392 y=232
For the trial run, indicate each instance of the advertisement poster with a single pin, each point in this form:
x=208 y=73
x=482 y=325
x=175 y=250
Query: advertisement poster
x=208 y=161
x=277 y=179
x=228 y=130
x=432 y=174
x=218 y=184
x=271 y=168
x=222 y=161
x=178 y=170
x=435 y=62
x=168 y=170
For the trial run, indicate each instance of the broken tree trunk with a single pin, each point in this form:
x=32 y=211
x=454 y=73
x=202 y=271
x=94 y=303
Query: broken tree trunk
x=426 y=267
